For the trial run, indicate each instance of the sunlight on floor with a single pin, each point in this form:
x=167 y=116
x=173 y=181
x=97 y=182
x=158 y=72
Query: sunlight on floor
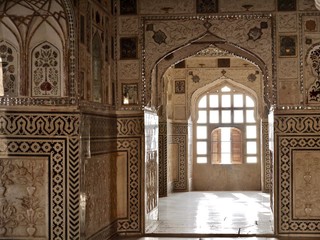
x=215 y=212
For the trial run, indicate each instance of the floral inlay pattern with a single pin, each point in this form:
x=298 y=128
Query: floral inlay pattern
x=9 y=64
x=314 y=92
x=22 y=198
x=45 y=71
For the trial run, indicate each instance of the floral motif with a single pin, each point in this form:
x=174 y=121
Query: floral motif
x=8 y=61
x=6 y=169
x=46 y=71
x=32 y=212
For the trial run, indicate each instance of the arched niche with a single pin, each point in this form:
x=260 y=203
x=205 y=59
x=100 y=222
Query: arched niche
x=31 y=24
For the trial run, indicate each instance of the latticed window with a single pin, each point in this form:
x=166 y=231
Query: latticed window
x=226 y=127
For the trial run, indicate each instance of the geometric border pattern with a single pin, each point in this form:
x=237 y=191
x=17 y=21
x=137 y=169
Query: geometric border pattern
x=287 y=145
x=133 y=223
x=293 y=132
x=57 y=137
x=180 y=136
x=130 y=131
x=266 y=155
x=124 y=134
x=163 y=168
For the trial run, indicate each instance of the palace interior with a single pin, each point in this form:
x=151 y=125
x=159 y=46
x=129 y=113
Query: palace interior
x=147 y=118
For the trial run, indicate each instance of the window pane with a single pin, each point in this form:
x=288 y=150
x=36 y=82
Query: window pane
x=225 y=147
x=225 y=158
x=201 y=148
x=203 y=102
x=226 y=101
x=251 y=147
x=251 y=159
x=238 y=116
x=202 y=116
x=249 y=102
x=201 y=132
x=201 y=159
x=226 y=116
x=214 y=101
x=251 y=132
x=225 y=89
x=214 y=116
x=238 y=100
x=250 y=116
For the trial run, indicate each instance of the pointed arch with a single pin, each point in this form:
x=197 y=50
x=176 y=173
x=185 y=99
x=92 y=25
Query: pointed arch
x=204 y=41
x=222 y=81
x=33 y=23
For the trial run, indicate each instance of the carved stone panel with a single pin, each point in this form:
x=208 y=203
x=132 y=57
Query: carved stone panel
x=287 y=22
x=306 y=177
x=297 y=169
x=24 y=197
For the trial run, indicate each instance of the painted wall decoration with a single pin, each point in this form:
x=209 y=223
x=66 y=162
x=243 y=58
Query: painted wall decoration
x=287 y=5
x=314 y=63
x=207 y=6
x=179 y=86
x=128 y=47
x=9 y=65
x=46 y=71
x=288 y=46
x=128 y=7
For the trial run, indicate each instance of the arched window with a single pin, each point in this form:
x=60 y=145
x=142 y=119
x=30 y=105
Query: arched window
x=226 y=127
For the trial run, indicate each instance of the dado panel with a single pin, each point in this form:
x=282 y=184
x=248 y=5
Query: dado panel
x=297 y=170
x=39 y=176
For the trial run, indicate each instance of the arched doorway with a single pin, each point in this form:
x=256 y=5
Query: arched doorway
x=163 y=47
x=206 y=90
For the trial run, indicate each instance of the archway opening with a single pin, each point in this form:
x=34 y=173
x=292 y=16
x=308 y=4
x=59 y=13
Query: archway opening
x=233 y=91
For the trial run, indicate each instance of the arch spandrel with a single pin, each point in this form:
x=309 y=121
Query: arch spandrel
x=250 y=35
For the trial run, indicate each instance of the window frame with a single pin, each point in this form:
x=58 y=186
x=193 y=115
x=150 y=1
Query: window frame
x=218 y=92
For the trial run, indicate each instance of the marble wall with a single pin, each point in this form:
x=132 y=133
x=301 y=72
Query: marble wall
x=57 y=143
x=151 y=189
x=296 y=135
x=112 y=147
x=40 y=175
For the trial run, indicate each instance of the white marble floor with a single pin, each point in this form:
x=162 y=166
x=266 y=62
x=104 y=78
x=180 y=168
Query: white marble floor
x=209 y=238
x=223 y=213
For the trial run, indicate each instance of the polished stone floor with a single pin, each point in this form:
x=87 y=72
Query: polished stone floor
x=227 y=213
x=214 y=216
